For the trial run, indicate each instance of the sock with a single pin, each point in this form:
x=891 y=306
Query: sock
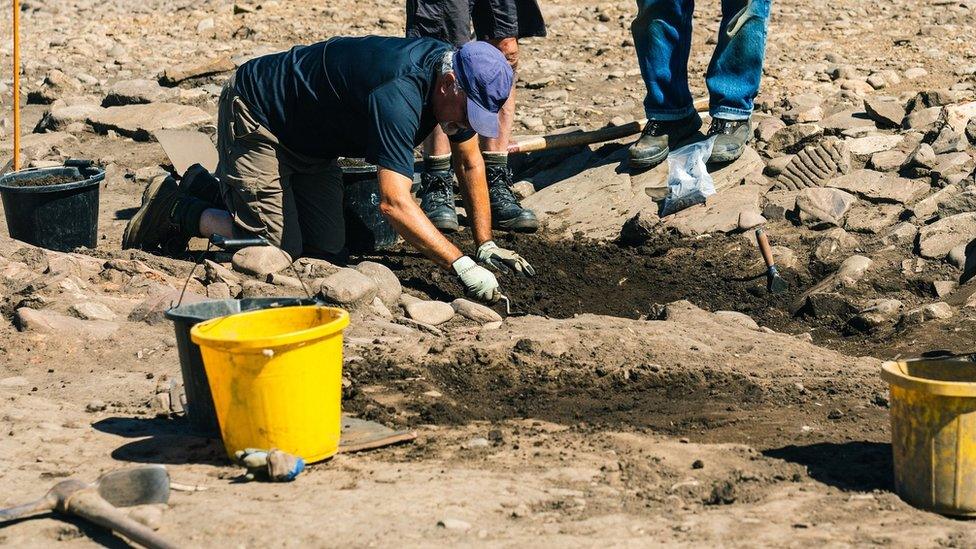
x=186 y=214
x=495 y=159
x=438 y=163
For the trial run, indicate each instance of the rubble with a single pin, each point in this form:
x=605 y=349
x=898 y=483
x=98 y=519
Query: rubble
x=824 y=205
x=936 y=240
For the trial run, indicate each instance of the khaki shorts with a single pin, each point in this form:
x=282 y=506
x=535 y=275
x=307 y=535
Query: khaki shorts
x=292 y=200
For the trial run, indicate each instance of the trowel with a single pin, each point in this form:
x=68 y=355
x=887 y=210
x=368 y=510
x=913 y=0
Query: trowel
x=97 y=502
x=509 y=311
x=774 y=283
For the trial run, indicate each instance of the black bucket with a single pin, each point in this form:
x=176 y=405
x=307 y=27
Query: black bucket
x=58 y=217
x=367 y=229
x=199 y=403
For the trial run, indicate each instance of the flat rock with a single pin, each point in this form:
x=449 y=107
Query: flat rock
x=793 y=138
x=47 y=322
x=922 y=119
x=960 y=164
x=475 y=311
x=840 y=122
x=824 y=205
x=750 y=219
x=959 y=115
x=61 y=117
x=140 y=121
x=348 y=287
x=137 y=92
x=174 y=75
x=872 y=218
x=880 y=187
x=430 y=312
x=260 y=260
x=887 y=161
x=91 y=310
x=931 y=311
x=868 y=145
x=35 y=146
x=595 y=201
x=834 y=243
x=886 y=114
x=719 y=213
x=387 y=284
x=936 y=240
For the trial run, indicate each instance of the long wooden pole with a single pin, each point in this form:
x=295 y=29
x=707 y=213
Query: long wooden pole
x=562 y=140
x=16 y=5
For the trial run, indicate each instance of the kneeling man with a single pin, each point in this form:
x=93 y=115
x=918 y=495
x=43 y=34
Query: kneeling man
x=285 y=118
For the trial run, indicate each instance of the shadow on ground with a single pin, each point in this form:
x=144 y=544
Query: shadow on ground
x=851 y=466
x=163 y=441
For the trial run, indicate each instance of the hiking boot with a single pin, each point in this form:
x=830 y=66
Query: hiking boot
x=152 y=226
x=437 y=199
x=730 y=143
x=506 y=212
x=199 y=182
x=658 y=136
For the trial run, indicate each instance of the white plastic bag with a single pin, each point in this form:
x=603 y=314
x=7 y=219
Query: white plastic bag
x=689 y=182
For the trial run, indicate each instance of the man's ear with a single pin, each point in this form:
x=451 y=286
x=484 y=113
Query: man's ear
x=447 y=83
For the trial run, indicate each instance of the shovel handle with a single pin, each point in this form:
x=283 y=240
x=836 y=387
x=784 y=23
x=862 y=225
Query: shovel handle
x=90 y=506
x=38 y=506
x=765 y=249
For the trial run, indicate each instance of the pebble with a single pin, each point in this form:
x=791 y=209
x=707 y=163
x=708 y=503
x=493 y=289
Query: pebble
x=260 y=260
x=477 y=442
x=430 y=312
x=475 y=311
x=95 y=406
x=835 y=414
x=388 y=286
x=348 y=286
x=454 y=524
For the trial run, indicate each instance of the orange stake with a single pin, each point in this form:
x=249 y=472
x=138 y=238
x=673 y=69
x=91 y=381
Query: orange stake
x=16 y=4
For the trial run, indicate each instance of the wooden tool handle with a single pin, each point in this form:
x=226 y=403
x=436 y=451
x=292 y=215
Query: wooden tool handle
x=575 y=139
x=38 y=506
x=88 y=505
x=764 y=248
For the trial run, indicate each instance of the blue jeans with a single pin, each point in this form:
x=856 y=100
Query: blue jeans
x=662 y=36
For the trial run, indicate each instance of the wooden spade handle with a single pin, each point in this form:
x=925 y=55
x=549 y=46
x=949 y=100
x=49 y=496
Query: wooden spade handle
x=764 y=248
x=12 y=513
x=88 y=505
x=563 y=140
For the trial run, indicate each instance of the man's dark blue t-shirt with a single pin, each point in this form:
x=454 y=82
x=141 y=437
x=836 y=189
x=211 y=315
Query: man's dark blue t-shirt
x=366 y=97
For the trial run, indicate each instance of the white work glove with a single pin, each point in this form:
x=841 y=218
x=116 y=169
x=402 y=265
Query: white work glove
x=504 y=260
x=478 y=281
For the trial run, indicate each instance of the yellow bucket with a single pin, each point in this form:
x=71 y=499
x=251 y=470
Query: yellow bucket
x=933 y=433
x=276 y=378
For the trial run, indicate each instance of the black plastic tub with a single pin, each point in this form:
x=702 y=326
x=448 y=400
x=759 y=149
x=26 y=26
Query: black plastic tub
x=367 y=229
x=199 y=402
x=61 y=216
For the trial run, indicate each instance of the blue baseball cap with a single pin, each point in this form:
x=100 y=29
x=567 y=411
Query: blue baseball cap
x=486 y=77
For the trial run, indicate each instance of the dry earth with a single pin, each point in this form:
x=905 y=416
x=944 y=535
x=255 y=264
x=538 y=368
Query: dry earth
x=664 y=423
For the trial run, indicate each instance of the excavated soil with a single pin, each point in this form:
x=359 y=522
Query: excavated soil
x=717 y=274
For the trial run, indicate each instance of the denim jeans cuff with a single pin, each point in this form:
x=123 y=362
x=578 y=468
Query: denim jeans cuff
x=668 y=115
x=728 y=113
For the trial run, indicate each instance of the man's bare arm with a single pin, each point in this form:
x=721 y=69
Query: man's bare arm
x=470 y=169
x=409 y=220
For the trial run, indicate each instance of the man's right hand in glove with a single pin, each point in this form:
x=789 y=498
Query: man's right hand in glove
x=478 y=281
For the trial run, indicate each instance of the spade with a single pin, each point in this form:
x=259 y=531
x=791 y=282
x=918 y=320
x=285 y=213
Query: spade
x=97 y=502
x=774 y=283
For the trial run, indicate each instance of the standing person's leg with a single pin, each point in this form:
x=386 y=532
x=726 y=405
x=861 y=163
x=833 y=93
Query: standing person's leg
x=662 y=37
x=734 y=75
x=450 y=21
x=502 y=22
